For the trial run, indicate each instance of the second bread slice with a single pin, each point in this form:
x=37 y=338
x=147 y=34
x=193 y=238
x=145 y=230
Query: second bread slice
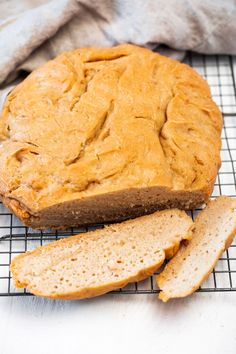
x=94 y=263
x=214 y=230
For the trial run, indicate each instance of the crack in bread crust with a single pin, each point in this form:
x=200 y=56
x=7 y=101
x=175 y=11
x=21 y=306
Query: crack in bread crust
x=105 y=120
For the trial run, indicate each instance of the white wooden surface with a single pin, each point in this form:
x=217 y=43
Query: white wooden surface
x=203 y=323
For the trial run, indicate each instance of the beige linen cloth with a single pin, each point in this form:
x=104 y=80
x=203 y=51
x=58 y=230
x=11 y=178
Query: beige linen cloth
x=34 y=31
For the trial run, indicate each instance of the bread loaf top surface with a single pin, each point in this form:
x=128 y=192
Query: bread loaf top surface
x=99 y=120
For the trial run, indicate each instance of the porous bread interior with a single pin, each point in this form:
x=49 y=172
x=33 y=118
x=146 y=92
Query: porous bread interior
x=94 y=263
x=100 y=122
x=213 y=232
x=110 y=207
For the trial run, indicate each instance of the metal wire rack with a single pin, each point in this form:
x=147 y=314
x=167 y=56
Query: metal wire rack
x=218 y=70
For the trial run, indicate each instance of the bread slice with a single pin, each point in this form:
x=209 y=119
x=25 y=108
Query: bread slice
x=214 y=230
x=94 y=263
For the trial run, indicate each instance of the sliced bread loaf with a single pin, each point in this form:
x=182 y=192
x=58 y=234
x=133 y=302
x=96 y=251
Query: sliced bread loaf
x=94 y=263
x=213 y=232
x=107 y=134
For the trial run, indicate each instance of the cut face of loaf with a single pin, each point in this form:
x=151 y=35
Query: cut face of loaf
x=106 y=134
x=97 y=262
x=214 y=229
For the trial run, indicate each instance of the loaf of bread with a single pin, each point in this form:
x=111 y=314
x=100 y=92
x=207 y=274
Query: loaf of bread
x=106 y=134
x=94 y=263
x=213 y=232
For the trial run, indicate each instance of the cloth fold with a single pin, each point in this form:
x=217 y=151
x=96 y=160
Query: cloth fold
x=32 y=32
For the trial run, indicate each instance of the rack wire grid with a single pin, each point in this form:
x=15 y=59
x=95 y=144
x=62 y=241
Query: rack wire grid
x=219 y=72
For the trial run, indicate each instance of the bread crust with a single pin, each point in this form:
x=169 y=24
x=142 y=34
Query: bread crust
x=105 y=134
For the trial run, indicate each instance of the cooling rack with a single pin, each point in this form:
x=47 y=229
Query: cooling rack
x=218 y=70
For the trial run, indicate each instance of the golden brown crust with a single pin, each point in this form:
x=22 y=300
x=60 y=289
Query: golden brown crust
x=97 y=122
